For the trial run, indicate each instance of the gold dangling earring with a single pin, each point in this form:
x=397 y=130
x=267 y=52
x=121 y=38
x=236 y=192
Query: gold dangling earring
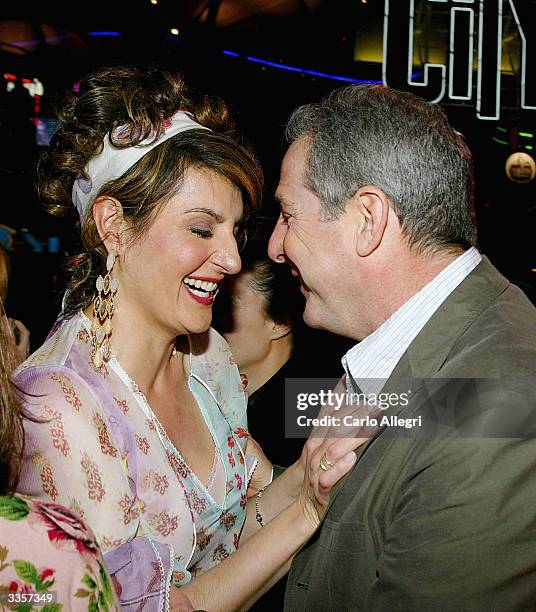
x=103 y=309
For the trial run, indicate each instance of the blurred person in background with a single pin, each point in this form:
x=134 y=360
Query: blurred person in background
x=5 y=269
x=17 y=331
x=257 y=315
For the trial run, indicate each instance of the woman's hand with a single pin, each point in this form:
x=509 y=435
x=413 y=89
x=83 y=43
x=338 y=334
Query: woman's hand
x=329 y=454
x=322 y=472
x=20 y=338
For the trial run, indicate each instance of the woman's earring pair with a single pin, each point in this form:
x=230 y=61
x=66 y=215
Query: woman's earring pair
x=103 y=309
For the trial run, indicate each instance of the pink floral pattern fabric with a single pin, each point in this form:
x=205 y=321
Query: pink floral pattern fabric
x=98 y=451
x=48 y=552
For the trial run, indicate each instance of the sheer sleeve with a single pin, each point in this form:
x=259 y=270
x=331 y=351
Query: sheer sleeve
x=78 y=456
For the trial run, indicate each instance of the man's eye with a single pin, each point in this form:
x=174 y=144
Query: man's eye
x=285 y=216
x=202 y=232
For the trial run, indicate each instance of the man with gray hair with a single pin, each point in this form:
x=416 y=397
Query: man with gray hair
x=376 y=197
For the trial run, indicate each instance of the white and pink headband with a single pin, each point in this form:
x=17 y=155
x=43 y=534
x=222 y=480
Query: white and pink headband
x=112 y=162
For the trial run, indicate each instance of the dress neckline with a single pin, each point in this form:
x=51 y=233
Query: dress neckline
x=165 y=440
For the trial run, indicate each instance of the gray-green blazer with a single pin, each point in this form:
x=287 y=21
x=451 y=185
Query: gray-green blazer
x=440 y=522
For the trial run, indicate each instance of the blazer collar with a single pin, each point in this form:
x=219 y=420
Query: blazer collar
x=430 y=349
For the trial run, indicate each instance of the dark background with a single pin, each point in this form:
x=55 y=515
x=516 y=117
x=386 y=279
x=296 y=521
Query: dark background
x=55 y=46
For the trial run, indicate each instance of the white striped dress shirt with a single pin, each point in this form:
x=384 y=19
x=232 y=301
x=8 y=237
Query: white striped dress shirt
x=372 y=361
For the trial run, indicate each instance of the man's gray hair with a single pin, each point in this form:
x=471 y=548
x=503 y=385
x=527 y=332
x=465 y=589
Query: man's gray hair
x=374 y=135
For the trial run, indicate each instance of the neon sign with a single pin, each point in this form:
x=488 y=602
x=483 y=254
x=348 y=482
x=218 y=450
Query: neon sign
x=465 y=17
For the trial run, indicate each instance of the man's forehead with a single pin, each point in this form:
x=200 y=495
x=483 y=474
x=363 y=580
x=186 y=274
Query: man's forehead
x=292 y=177
x=301 y=203
x=296 y=157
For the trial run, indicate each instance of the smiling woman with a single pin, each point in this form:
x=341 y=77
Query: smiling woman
x=145 y=432
x=169 y=276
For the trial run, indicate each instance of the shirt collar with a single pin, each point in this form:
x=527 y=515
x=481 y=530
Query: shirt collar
x=370 y=362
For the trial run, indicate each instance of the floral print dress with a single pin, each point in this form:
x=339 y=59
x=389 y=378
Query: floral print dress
x=49 y=560
x=100 y=451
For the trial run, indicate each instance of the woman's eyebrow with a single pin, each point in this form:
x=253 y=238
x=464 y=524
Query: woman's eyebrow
x=208 y=211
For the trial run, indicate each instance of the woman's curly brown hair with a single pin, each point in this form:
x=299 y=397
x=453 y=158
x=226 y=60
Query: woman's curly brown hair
x=124 y=96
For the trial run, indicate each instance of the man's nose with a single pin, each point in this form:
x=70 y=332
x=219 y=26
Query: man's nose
x=275 y=245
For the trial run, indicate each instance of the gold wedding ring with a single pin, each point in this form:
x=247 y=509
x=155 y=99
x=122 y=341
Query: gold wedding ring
x=325 y=463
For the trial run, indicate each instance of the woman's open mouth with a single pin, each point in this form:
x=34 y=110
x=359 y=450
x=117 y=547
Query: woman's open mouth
x=202 y=290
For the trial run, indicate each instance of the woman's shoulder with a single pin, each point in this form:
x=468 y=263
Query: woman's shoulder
x=212 y=361
x=59 y=361
x=55 y=351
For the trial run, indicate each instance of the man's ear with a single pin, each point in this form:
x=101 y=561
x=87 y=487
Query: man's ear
x=108 y=216
x=371 y=208
x=278 y=330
